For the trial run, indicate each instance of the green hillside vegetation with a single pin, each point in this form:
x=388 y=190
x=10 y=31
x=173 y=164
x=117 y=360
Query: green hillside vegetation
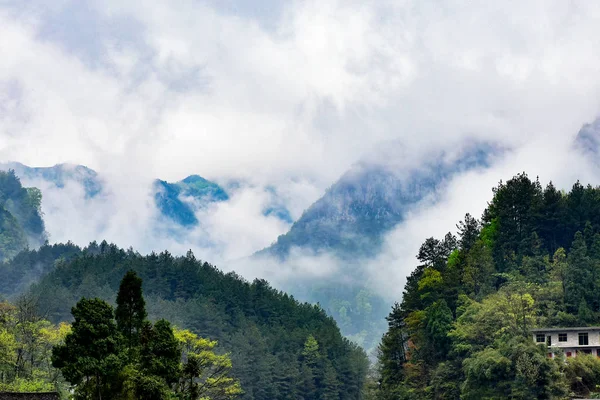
x=21 y=222
x=463 y=328
x=118 y=354
x=26 y=341
x=112 y=354
x=280 y=348
x=29 y=266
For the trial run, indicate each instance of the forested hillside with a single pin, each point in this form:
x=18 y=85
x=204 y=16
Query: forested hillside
x=462 y=329
x=349 y=223
x=21 y=222
x=279 y=347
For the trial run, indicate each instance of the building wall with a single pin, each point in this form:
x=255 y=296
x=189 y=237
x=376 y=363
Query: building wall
x=572 y=338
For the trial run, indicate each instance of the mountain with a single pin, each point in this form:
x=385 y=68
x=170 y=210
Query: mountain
x=176 y=201
x=59 y=175
x=348 y=226
x=280 y=348
x=179 y=201
x=588 y=138
x=368 y=201
x=21 y=223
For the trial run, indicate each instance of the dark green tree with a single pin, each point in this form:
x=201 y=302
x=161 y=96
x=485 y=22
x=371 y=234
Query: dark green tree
x=439 y=321
x=578 y=277
x=90 y=359
x=130 y=313
x=160 y=351
x=468 y=232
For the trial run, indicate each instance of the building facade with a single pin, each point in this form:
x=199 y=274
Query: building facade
x=569 y=341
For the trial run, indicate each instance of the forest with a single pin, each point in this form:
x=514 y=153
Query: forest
x=462 y=329
x=264 y=331
x=278 y=347
x=109 y=353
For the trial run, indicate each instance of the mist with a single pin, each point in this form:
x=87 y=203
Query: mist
x=289 y=98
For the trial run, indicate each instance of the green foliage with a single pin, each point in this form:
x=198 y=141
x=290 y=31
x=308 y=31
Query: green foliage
x=26 y=342
x=21 y=221
x=160 y=364
x=160 y=352
x=91 y=357
x=583 y=374
x=130 y=313
x=463 y=329
x=205 y=374
x=310 y=354
x=263 y=330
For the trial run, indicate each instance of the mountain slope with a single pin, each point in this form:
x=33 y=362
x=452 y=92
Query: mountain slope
x=588 y=138
x=264 y=330
x=176 y=201
x=348 y=225
x=60 y=175
x=367 y=202
x=179 y=201
x=21 y=222
x=463 y=329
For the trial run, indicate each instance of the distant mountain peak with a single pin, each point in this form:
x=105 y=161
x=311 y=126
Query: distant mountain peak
x=588 y=138
x=370 y=199
x=59 y=175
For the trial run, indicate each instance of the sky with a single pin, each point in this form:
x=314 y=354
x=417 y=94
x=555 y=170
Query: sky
x=290 y=94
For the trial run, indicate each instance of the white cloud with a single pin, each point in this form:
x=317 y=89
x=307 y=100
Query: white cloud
x=165 y=89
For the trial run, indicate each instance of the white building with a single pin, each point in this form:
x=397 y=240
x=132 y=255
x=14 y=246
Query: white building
x=569 y=341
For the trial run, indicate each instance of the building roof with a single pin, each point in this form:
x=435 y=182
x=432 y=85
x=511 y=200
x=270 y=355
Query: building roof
x=571 y=328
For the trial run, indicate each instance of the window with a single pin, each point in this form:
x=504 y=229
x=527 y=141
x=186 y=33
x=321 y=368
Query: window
x=540 y=338
x=549 y=340
x=587 y=351
x=583 y=338
x=562 y=337
x=598 y=352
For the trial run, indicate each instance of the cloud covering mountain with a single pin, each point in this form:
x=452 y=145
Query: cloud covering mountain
x=290 y=96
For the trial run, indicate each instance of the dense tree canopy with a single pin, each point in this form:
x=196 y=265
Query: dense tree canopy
x=264 y=330
x=462 y=330
x=128 y=357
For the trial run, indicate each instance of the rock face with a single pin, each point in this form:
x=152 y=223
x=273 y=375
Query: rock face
x=29 y=396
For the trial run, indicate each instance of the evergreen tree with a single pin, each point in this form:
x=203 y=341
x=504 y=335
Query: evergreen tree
x=90 y=359
x=468 y=232
x=331 y=384
x=160 y=351
x=578 y=275
x=130 y=313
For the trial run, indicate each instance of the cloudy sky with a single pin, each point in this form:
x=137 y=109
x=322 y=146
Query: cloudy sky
x=291 y=94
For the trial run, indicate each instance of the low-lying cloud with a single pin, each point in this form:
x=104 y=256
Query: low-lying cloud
x=289 y=97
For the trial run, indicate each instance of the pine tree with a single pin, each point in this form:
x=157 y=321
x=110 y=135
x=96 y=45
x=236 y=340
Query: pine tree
x=131 y=309
x=90 y=357
x=160 y=351
x=578 y=279
x=331 y=385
